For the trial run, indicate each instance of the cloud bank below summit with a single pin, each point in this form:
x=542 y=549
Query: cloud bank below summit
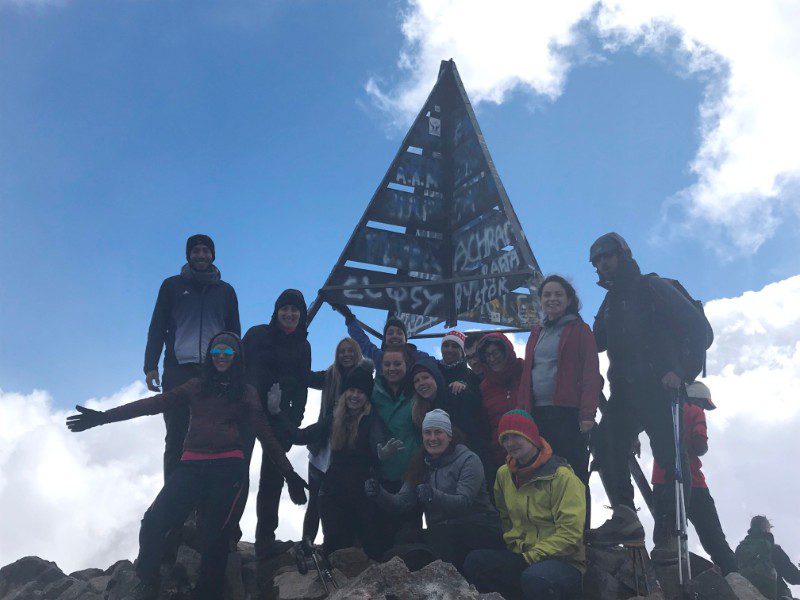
x=747 y=166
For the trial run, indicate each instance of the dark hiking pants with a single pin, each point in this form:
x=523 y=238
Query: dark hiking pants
x=176 y=419
x=631 y=409
x=510 y=575
x=389 y=526
x=214 y=484
x=311 y=519
x=452 y=542
x=702 y=512
x=559 y=426
x=347 y=520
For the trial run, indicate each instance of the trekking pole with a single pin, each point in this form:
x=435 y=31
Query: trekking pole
x=681 y=524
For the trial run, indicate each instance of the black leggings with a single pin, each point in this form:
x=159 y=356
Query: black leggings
x=215 y=485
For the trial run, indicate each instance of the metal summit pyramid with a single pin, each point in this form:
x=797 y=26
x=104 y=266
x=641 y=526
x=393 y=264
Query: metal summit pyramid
x=439 y=241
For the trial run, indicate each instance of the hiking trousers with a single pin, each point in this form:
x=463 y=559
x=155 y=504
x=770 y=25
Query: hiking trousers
x=176 y=419
x=213 y=484
x=451 y=542
x=347 y=520
x=632 y=408
x=312 y=517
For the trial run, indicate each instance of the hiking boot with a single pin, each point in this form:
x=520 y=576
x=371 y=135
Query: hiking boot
x=272 y=548
x=145 y=591
x=665 y=552
x=623 y=527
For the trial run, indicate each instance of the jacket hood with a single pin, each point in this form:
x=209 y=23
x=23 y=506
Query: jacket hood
x=426 y=363
x=512 y=366
x=628 y=270
x=295 y=298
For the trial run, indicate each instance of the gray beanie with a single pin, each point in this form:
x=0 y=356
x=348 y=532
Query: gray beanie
x=437 y=418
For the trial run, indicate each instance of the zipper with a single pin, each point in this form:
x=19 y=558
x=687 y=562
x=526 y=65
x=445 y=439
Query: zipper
x=200 y=335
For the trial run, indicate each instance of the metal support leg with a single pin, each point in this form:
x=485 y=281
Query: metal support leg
x=681 y=523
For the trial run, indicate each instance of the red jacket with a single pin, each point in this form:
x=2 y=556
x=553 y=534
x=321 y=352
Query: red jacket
x=578 y=379
x=696 y=435
x=499 y=392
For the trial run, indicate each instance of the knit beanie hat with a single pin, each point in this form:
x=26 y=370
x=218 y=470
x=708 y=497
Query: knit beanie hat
x=455 y=336
x=520 y=422
x=359 y=378
x=229 y=339
x=394 y=321
x=437 y=418
x=419 y=367
x=200 y=238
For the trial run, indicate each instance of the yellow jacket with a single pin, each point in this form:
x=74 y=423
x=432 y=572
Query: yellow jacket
x=544 y=518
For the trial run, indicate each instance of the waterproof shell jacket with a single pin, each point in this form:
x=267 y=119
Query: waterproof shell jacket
x=766 y=565
x=372 y=352
x=695 y=433
x=500 y=393
x=459 y=492
x=544 y=517
x=215 y=423
x=349 y=467
x=465 y=409
x=648 y=327
x=395 y=411
x=186 y=316
x=578 y=379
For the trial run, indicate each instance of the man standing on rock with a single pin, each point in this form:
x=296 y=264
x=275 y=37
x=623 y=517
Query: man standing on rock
x=191 y=308
x=653 y=335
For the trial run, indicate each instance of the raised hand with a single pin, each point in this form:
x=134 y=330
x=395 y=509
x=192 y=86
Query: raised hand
x=390 y=448
x=345 y=311
x=274 y=399
x=457 y=387
x=85 y=419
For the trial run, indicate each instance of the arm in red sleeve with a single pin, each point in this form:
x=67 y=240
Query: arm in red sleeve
x=179 y=396
x=591 y=380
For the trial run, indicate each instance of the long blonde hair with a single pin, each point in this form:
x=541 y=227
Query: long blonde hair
x=344 y=430
x=331 y=389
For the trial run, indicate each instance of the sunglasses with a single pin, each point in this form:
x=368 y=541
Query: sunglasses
x=226 y=352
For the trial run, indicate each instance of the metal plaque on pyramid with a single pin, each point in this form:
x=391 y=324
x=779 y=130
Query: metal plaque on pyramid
x=439 y=242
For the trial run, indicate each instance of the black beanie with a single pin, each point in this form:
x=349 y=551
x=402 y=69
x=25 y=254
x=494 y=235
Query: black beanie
x=293 y=297
x=200 y=238
x=228 y=338
x=397 y=323
x=359 y=378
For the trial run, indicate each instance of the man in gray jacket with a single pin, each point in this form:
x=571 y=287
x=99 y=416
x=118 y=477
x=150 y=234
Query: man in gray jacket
x=191 y=308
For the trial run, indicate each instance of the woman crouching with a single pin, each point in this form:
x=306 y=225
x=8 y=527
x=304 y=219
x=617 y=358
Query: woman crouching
x=446 y=479
x=212 y=467
x=542 y=508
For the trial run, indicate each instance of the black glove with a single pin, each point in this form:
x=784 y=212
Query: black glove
x=297 y=487
x=86 y=419
x=424 y=492
x=345 y=311
x=371 y=488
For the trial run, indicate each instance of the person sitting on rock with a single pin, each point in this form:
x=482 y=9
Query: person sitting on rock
x=764 y=563
x=446 y=479
x=212 y=468
x=542 y=508
x=356 y=434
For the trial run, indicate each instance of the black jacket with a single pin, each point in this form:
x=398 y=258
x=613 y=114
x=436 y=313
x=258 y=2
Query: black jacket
x=647 y=326
x=186 y=316
x=465 y=409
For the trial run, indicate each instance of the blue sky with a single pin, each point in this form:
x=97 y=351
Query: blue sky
x=125 y=127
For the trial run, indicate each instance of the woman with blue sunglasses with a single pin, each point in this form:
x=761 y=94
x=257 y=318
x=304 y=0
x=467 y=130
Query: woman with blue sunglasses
x=212 y=467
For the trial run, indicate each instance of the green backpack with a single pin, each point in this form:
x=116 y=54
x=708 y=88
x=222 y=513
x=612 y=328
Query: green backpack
x=754 y=556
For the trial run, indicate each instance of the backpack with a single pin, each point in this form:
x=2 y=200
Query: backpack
x=695 y=359
x=754 y=558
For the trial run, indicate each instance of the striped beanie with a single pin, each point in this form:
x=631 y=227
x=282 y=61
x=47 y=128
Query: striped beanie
x=455 y=336
x=520 y=422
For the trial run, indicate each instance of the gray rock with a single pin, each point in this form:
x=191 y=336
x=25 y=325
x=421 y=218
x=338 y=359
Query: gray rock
x=100 y=583
x=122 y=581
x=743 y=589
x=610 y=574
x=350 y=561
x=294 y=586
x=31 y=573
x=393 y=581
x=87 y=574
x=710 y=585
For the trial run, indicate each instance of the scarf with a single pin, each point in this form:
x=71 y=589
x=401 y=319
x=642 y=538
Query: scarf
x=522 y=475
x=210 y=276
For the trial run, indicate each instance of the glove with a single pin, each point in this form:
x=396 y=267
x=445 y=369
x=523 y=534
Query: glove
x=424 y=492
x=392 y=447
x=274 y=399
x=371 y=488
x=86 y=419
x=345 y=311
x=297 y=487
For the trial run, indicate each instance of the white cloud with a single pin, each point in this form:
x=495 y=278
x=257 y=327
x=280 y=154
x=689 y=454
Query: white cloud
x=748 y=163
x=78 y=498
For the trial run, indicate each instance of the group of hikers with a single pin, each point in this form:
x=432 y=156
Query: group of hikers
x=493 y=449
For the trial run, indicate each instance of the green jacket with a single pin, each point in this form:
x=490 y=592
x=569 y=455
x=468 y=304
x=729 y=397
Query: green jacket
x=544 y=518
x=395 y=411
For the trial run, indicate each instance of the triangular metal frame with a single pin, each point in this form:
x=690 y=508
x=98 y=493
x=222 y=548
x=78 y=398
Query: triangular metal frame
x=436 y=222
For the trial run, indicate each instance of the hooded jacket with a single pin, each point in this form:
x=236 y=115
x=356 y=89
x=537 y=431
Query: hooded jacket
x=459 y=492
x=188 y=313
x=371 y=351
x=395 y=411
x=578 y=379
x=544 y=518
x=646 y=325
x=695 y=433
x=500 y=392
x=274 y=356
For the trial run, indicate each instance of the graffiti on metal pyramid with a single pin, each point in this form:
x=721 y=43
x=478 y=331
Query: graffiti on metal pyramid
x=439 y=242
